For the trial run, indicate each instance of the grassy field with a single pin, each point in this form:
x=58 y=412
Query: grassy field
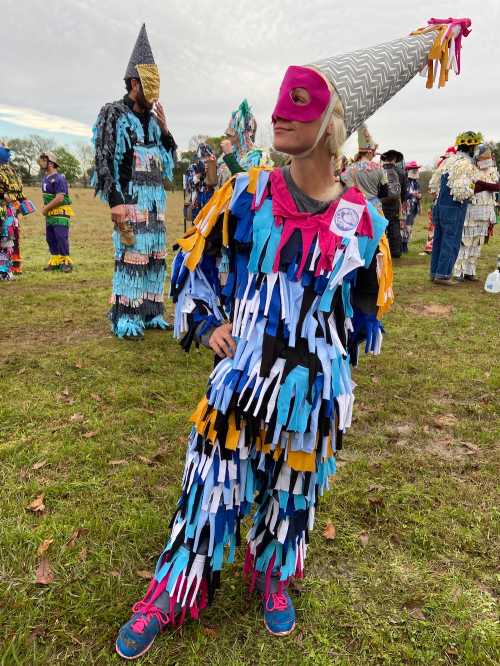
x=97 y=426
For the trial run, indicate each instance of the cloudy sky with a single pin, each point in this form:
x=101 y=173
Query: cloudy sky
x=62 y=59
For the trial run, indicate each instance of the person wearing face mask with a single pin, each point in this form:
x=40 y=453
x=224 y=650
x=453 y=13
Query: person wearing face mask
x=134 y=153
x=239 y=152
x=285 y=272
x=13 y=206
x=413 y=199
x=200 y=181
x=480 y=214
x=455 y=182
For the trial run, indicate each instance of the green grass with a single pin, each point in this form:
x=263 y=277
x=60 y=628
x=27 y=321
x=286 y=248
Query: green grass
x=418 y=475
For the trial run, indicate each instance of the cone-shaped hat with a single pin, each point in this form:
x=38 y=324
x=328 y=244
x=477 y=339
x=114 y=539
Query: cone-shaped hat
x=141 y=55
x=365 y=139
x=367 y=78
x=142 y=66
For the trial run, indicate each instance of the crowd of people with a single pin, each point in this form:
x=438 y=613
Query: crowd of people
x=284 y=274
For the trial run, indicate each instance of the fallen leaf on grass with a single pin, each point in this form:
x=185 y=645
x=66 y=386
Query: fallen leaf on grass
x=416 y=614
x=330 y=532
x=44 y=546
x=147 y=575
x=114 y=463
x=404 y=429
x=79 y=365
x=44 y=575
x=77 y=418
x=75 y=535
x=376 y=501
x=146 y=461
x=39 y=465
x=160 y=455
x=36 y=632
x=82 y=555
x=471 y=448
x=364 y=538
x=444 y=421
x=37 y=505
x=115 y=574
x=375 y=488
x=212 y=632
x=96 y=397
x=91 y=433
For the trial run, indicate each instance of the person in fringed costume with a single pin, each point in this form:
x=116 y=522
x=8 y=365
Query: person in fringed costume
x=456 y=181
x=285 y=272
x=480 y=215
x=13 y=206
x=365 y=174
x=433 y=187
x=413 y=203
x=394 y=202
x=58 y=212
x=134 y=153
x=200 y=181
x=239 y=152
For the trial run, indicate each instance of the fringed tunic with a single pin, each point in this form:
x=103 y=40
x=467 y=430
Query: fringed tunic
x=265 y=434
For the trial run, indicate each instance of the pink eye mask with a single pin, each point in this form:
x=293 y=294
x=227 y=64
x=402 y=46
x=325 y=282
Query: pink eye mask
x=313 y=83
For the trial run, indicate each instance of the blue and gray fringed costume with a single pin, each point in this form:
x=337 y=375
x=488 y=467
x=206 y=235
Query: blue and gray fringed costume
x=265 y=434
x=133 y=157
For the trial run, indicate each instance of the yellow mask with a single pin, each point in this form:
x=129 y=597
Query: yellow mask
x=150 y=80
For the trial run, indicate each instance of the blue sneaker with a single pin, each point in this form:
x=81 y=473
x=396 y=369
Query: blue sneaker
x=279 y=614
x=137 y=635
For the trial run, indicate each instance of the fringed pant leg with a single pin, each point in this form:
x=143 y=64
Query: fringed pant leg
x=205 y=530
x=137 y=299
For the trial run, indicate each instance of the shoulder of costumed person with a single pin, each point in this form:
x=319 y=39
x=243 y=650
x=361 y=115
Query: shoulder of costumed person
x=367 y=78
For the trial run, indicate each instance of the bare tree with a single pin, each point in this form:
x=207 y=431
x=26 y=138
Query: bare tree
x=195 y=141
x=85 y=154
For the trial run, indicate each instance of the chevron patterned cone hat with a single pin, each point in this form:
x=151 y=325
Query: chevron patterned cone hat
x=366 y=79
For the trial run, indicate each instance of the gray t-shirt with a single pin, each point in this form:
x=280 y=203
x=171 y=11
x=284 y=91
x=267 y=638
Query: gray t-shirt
x=304 y=203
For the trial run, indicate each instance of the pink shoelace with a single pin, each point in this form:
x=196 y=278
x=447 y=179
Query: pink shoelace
x=278 y=602
x=149 y=611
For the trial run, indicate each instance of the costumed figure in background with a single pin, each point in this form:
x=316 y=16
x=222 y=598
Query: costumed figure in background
x=413 y=205
x=480 y=215
x=365 y=174
x=394 y=202
x=134 y=153
x=433 y=187
x=13 y=206
x=58 y=212
x=199 y=181
x=284 y=273
x=239 y=152
x=455 y=183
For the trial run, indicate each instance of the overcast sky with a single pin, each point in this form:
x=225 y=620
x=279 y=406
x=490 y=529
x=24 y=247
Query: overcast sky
x=62 y=59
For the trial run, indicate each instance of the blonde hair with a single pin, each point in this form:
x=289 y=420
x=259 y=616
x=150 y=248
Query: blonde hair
x=338 y=136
